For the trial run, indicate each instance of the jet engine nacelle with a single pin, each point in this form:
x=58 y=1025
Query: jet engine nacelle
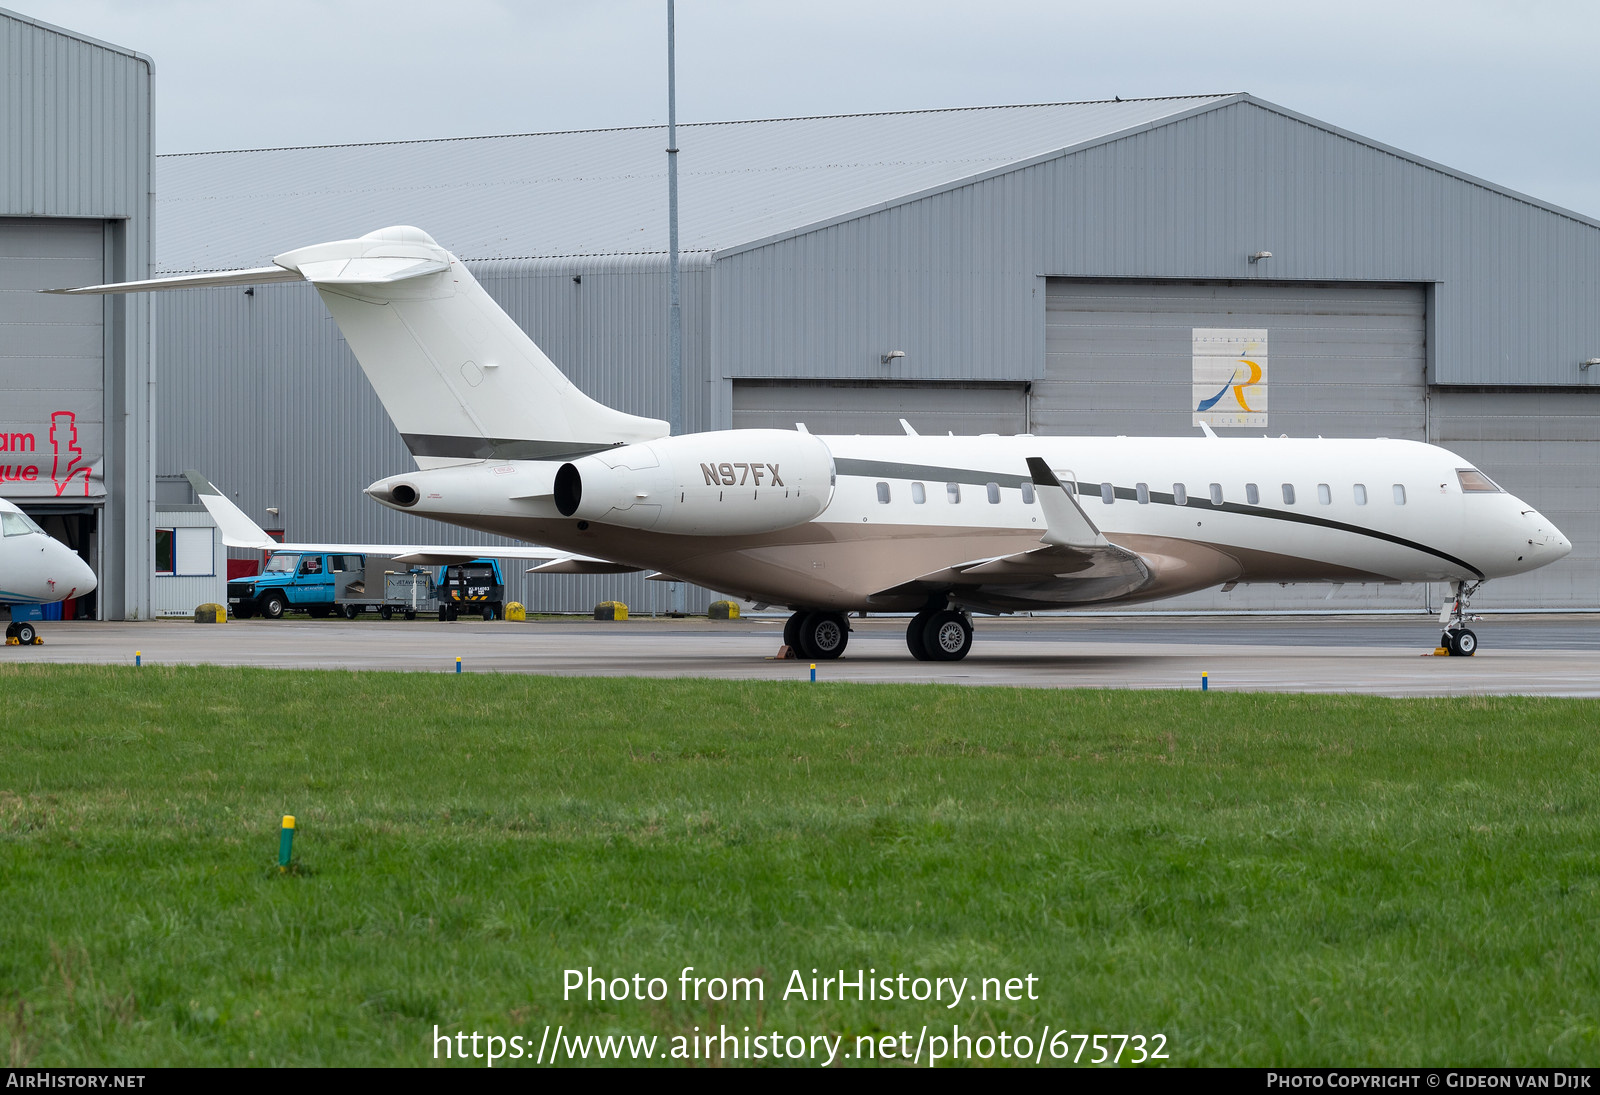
x=723 y=483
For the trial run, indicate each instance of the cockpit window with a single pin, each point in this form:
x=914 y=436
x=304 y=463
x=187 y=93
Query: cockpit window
x=18 y=524
x=1474 y=481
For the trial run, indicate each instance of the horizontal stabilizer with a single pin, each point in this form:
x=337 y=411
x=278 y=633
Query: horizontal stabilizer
x=261 y=275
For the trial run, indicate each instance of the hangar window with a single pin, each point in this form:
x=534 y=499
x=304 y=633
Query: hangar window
x=1141 y=491
x=953 y=492
x=1180 y=494
x=1399 y=494
x=918 y=494
x=1027 y=492
x=1324 y=494
x=994 y=493
x=1252 y=495
x=1361 y=494
x=1216 y=494
x=185 y=552
x=1474 y=481
x=1288 y=494
x=1108 y=493
x=883 y=494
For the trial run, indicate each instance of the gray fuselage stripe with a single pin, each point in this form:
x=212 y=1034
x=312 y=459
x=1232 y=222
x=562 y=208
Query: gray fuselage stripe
x=497 y=448
x=884 y=469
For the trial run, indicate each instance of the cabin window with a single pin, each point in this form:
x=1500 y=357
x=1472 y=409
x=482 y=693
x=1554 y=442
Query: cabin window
x=1216 y=494
x=1324 y=494
x=1108 y=493
x=1399 y=494
x=993 y=490
x=1141 y=491
x=1252 y=494
x=1288 y=494
x=953 y=492
x=1474 y=481
x=918 y=494
x=1361 y=494
x=1180 y=494
x=1027 y=492
x=883 y=494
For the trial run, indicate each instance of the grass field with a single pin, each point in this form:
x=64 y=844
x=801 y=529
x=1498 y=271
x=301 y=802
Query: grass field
x=1259 y=879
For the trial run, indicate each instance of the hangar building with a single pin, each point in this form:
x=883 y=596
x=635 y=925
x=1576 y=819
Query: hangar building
x=76 y=427
x=1056 y=268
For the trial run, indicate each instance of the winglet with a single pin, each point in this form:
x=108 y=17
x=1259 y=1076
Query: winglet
x=1068 y=525
x=237 y=529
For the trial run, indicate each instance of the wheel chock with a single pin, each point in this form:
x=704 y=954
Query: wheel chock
x=1440 y=652
x=12 y=640
x=786 y=653
x=38 y=640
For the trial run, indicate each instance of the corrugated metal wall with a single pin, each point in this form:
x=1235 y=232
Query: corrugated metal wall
x=1544 y=447
x=948 y=277
x=262 y=396
x=75 y=142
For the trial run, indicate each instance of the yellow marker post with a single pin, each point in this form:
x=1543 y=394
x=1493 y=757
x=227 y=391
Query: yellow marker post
x=286 y=842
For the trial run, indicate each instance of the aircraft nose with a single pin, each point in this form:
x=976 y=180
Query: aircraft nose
x=75 y=575
x=1545 y=539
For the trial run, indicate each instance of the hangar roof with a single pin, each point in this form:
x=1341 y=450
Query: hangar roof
x=604 y=192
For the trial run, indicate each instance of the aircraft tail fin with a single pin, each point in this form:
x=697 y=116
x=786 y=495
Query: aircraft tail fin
x=459 y=379
x=236 y=527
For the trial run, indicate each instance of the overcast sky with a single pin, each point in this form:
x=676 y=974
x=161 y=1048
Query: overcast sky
x=1505 y=91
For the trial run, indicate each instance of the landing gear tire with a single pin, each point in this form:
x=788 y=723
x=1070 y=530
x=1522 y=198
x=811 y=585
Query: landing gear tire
x=947 y=636
x=25 y=634
x=824 y=635
x=791 y=631
x=1457 y=638
x=386 y=611
x=352 y=611
x=915 y=633
x=273 y=606
x=1463 y=643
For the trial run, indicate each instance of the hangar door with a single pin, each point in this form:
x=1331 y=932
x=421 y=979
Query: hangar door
x=876 y=407
x=52 y=354
x=1336 y=360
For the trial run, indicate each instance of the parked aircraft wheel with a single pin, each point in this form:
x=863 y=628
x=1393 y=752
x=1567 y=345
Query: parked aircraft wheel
x=824 y=635
x=273 y=606
x=915 y=634
x=25 y=634
x=352 y=611
x=791 y=631
x=947 y=636
x=11 y=631
x=1463 y=643
x=386 y=611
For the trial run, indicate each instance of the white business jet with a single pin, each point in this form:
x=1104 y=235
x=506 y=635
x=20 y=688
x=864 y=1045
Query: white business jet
x=36 y=569
x=938 y=526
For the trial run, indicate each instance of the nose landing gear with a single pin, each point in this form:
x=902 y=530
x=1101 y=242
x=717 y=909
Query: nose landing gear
x=1457 y=638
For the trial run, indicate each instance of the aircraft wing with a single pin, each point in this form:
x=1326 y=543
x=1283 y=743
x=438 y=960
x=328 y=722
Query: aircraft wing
x=1074 y=555
x=239 y=531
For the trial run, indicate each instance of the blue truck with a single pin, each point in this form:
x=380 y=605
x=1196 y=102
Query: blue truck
x=307 y=581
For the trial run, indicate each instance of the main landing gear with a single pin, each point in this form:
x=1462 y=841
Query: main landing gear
x=1457 y=639
x=821 y=636
x=942 y=635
